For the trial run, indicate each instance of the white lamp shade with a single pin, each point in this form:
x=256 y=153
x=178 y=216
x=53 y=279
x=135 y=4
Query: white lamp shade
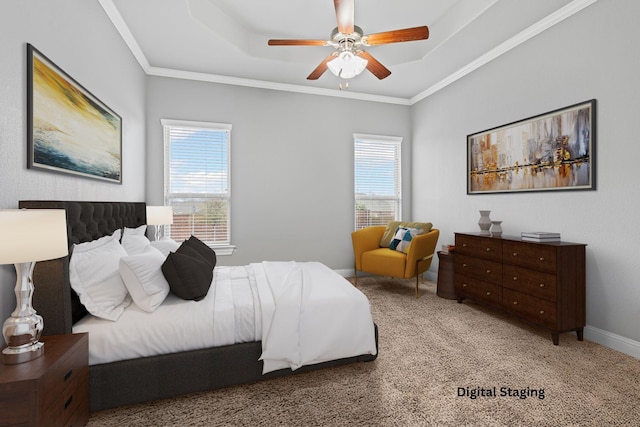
x=347 y=65
x=159 y=215
x=32 y=235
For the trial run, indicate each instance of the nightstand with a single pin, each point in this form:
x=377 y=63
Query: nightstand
x=52 y=390
x=445 y=286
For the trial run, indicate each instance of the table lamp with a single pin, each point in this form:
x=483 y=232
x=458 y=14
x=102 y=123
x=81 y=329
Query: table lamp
x=28 y=236
x=159 y=216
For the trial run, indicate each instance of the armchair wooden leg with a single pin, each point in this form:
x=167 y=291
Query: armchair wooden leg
x=417 y=280
x=355 y=277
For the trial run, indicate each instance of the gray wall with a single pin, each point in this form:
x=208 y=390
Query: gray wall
x=78 y=37
x=590 y=55
x=291 y=164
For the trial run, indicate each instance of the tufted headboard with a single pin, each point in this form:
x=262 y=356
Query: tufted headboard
x=53 y=297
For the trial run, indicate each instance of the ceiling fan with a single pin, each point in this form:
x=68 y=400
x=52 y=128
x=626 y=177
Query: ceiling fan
x=350 y=58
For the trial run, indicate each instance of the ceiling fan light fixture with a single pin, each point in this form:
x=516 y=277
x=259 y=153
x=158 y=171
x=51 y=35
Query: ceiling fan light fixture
x=347 y=65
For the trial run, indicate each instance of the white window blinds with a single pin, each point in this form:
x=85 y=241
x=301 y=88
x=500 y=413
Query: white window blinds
x=377 y=178
x=197 y=180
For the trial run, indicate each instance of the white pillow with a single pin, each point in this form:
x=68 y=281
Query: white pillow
x=94 y=275
x=138 y=231
x=134 y=244
x=143 y=278
x=165 y=246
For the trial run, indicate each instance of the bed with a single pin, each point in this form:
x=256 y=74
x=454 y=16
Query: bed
x=142 y=379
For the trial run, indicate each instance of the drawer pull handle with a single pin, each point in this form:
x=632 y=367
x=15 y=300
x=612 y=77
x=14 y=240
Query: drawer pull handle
x=68 y=374
x=488 y=249
x=542 y=285
x=68 y=402
x=488 y=271
x=515 y=278
x=464 y=265
x=488 y=293
x=515 y=303
x=541 y=311
x=541 y=258
x=464 y=245
x=464 y=285
x=515 y=254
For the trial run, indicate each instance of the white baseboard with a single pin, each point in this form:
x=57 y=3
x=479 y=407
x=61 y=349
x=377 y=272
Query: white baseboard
x=613 y=341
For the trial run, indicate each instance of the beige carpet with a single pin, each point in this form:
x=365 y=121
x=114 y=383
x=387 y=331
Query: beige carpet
x=431 y=349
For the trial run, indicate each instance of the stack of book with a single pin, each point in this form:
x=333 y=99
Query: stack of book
x=540 y=236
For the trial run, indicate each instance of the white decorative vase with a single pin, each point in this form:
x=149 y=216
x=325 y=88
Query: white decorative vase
x=496 y=228
x=485 y=222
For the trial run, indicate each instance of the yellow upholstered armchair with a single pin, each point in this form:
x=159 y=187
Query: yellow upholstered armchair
x=373 y=254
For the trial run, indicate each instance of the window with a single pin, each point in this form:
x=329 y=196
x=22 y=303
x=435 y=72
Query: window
x=377 y=177
x=196 y=176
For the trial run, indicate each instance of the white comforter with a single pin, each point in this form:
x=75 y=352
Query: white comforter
x=310 y=314
x=304 y=313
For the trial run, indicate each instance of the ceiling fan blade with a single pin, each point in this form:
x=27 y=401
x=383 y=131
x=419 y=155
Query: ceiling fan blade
x=345 y=11
x=296 y=42
x=373 y=65
x=320 y=69
x=405 y=35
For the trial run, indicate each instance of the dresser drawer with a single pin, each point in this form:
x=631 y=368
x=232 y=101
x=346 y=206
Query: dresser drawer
x=530 y=255
x=535 y=283
x=488 y=271
x=534 y=309
x=478 y=290
x=481 y=247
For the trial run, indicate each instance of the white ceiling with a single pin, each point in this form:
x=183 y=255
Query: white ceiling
x=226 y=40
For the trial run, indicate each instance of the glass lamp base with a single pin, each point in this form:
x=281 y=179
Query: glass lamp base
x=23 y=328
x=13 y=356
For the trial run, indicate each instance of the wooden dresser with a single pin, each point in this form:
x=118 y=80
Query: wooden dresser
x=541 y=283
x=52 y=390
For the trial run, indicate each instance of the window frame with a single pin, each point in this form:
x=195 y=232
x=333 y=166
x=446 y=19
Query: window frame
x=397 y=198
x=227 y=247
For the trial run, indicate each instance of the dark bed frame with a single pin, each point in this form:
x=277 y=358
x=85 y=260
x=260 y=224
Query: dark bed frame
x=149 y=378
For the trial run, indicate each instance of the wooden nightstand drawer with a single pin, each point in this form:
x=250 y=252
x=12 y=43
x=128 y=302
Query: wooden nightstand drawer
x=69 y=400
x=52 y=390
x=535 y=257
x=488 y=271
x=62 y=375
x=541 y=285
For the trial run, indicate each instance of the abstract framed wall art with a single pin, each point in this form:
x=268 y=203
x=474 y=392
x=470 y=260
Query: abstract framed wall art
x=550 y=151
x=69 y=129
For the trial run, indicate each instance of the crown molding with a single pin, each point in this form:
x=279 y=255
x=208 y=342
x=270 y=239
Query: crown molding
x=558 y=16
x=530 y=32
x=237 y=81
x=116 y=19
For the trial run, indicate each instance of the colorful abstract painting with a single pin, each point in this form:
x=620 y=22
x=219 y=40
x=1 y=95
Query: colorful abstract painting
x=551 y=151
x=70 y=130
